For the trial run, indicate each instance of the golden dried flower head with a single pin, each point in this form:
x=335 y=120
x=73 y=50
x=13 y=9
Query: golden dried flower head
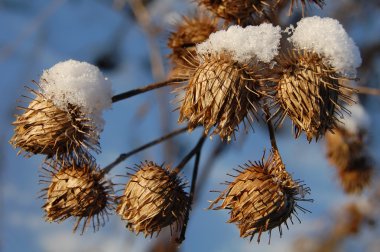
x=153 y=199
x=79 y=191
x=262 y=197
x=189 y=32
x=347 y=152
x=239 y=11
x=220 y=92
x=309 y=92
x=319 y=3
x=44 y=128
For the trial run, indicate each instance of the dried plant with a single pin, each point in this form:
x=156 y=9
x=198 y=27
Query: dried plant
x=44 y=128
x=225 y=79
x=309 y=92
x=221 y=93
x=153 y=199
x=347 y=152
x=189 y=32
x=262 y=197
x=240 y=11
x=77 y=190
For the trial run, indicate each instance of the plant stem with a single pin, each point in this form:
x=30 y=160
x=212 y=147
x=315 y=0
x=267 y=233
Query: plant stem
x=272 y=135
x=147 y=88
x=192 y=190
x=124 y=156
x=186 y=159
x=367 y=90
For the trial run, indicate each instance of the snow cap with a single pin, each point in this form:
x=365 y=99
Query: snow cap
x=80 y=84
x=244 y=44
x=327 y=37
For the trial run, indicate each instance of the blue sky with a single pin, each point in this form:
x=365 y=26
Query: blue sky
x=35 y=35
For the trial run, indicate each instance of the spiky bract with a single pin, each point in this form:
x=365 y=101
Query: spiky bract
x=45 y=129
x=309 y=92
x=220 y=93
x=191 y=31
x=240 y=11
x=262 y=196
x=153 y=199
x=79 y=191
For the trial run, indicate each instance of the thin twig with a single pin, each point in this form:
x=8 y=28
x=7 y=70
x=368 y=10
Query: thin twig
x=192 y=190
x=124 y=156
x=187 y=158
x=367 y=90
x=147 y=88
x=270 y=129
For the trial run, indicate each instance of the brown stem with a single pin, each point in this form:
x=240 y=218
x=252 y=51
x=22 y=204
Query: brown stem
x=367 y=90
x=187 y=158
x=272 y=135
x=181 y=238
x=124 y=156
x=147 y=88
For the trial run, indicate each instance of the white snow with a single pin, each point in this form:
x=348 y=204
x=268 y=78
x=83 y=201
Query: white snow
x=327 y=37
x=359 y=119
x=244 y=44
x=80 y=84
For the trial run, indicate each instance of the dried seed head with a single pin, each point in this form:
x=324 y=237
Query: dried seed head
x=239 y=11
x=320 y=4
x=153 y=199
x=78 y=191
x=346 y=151
x=309 y=92
x=220 y=93
x=191 y=31
x=45 y=129
x=358 y=177
x=262 y=196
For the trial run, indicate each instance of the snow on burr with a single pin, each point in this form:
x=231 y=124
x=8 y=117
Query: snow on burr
x=244 y=44
x=80 y=84
x=327 y=37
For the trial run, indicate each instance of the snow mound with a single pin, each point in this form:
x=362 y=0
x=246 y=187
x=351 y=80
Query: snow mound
x=244 y=44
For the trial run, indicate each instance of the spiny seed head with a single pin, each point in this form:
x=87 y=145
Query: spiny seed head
x=153 y=199
x=191 y=31
x=347 y=152
x=304 y=3
x=45 y=129
x=221 y=93
x=309 y=92
x=79 y=191
x=358 y=177
x=239 y=11
x=261 y=197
